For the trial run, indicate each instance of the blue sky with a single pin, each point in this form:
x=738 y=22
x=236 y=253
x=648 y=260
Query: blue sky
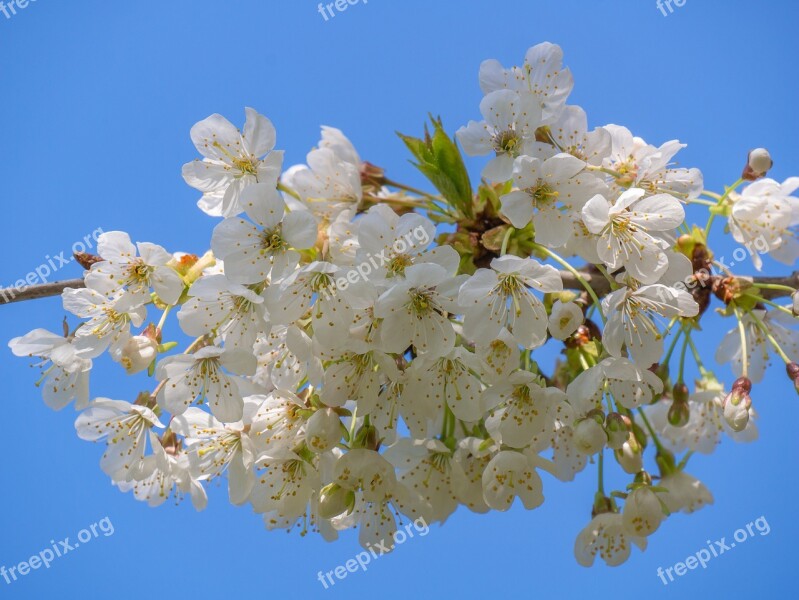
x=99 y=100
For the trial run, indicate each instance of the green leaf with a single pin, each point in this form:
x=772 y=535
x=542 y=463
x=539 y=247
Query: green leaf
x=440 y=160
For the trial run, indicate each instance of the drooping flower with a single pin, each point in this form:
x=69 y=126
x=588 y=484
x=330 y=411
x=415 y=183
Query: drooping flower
x=607 y=537
x=124 y=427
x=67 y=376
x=202 y=376
x=508 y=475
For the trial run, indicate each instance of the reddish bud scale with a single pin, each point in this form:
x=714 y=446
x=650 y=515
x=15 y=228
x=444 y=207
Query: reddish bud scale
x=742 y=384
x=680 y=393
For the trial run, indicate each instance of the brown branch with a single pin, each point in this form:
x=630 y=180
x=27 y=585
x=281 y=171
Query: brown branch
x=791 y=280
x=42 y=290
x=593 y=277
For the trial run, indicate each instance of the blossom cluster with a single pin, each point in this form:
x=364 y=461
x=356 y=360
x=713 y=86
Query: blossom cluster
x=333 y=400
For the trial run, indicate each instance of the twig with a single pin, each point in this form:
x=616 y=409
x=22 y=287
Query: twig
x=42 y=290
x=570 y=282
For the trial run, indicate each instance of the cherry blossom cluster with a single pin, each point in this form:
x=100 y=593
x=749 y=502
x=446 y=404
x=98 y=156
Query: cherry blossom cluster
x=363 y=353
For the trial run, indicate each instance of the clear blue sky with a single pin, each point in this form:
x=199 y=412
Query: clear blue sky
x=98 y=100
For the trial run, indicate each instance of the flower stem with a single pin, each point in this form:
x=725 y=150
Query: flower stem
x=576 y=274
x=697 y=358
x=681 y=378
x=506 y=240
x=649 y=428
x=162 y=321
x=601 y=472
x=284 y=188
x=779 y=307
x=770 y=337
x=744 y=347
x=773 y=286
x=667 y=358
x=721 y=200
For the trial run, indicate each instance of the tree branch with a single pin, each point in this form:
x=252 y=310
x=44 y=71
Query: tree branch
x=43 y=290
x=594 y=278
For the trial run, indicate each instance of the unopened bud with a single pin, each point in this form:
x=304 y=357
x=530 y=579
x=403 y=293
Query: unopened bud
x=366 y=437
x=596 y=414
x=758 y=164
x=617 y=429
x=334 y=500
x=793 y=371
x=737 y=403
x=589 y=436
x=795 y=304
x=640 y=435
x=629 y=456
x=662 y=371
x=680 y=392
x=742 y=384
x=679 y=414
x=86 y=260
x=736 y=415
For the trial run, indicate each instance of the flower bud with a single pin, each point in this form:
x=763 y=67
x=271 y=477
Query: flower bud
x=589 y=436
x=662 y=371
x=366 y=437
x=323 y=430
x=617 y=429
x=793 y=374
x=137 y=354
x=679 y=414
x=736 y=415
x=737 y=403
x=629 y=457
x=743 y=384
x=86 y=260
x=680 y=392
x=757 y=164
x=639 y=436
x=335 y=500
x=795 y=304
